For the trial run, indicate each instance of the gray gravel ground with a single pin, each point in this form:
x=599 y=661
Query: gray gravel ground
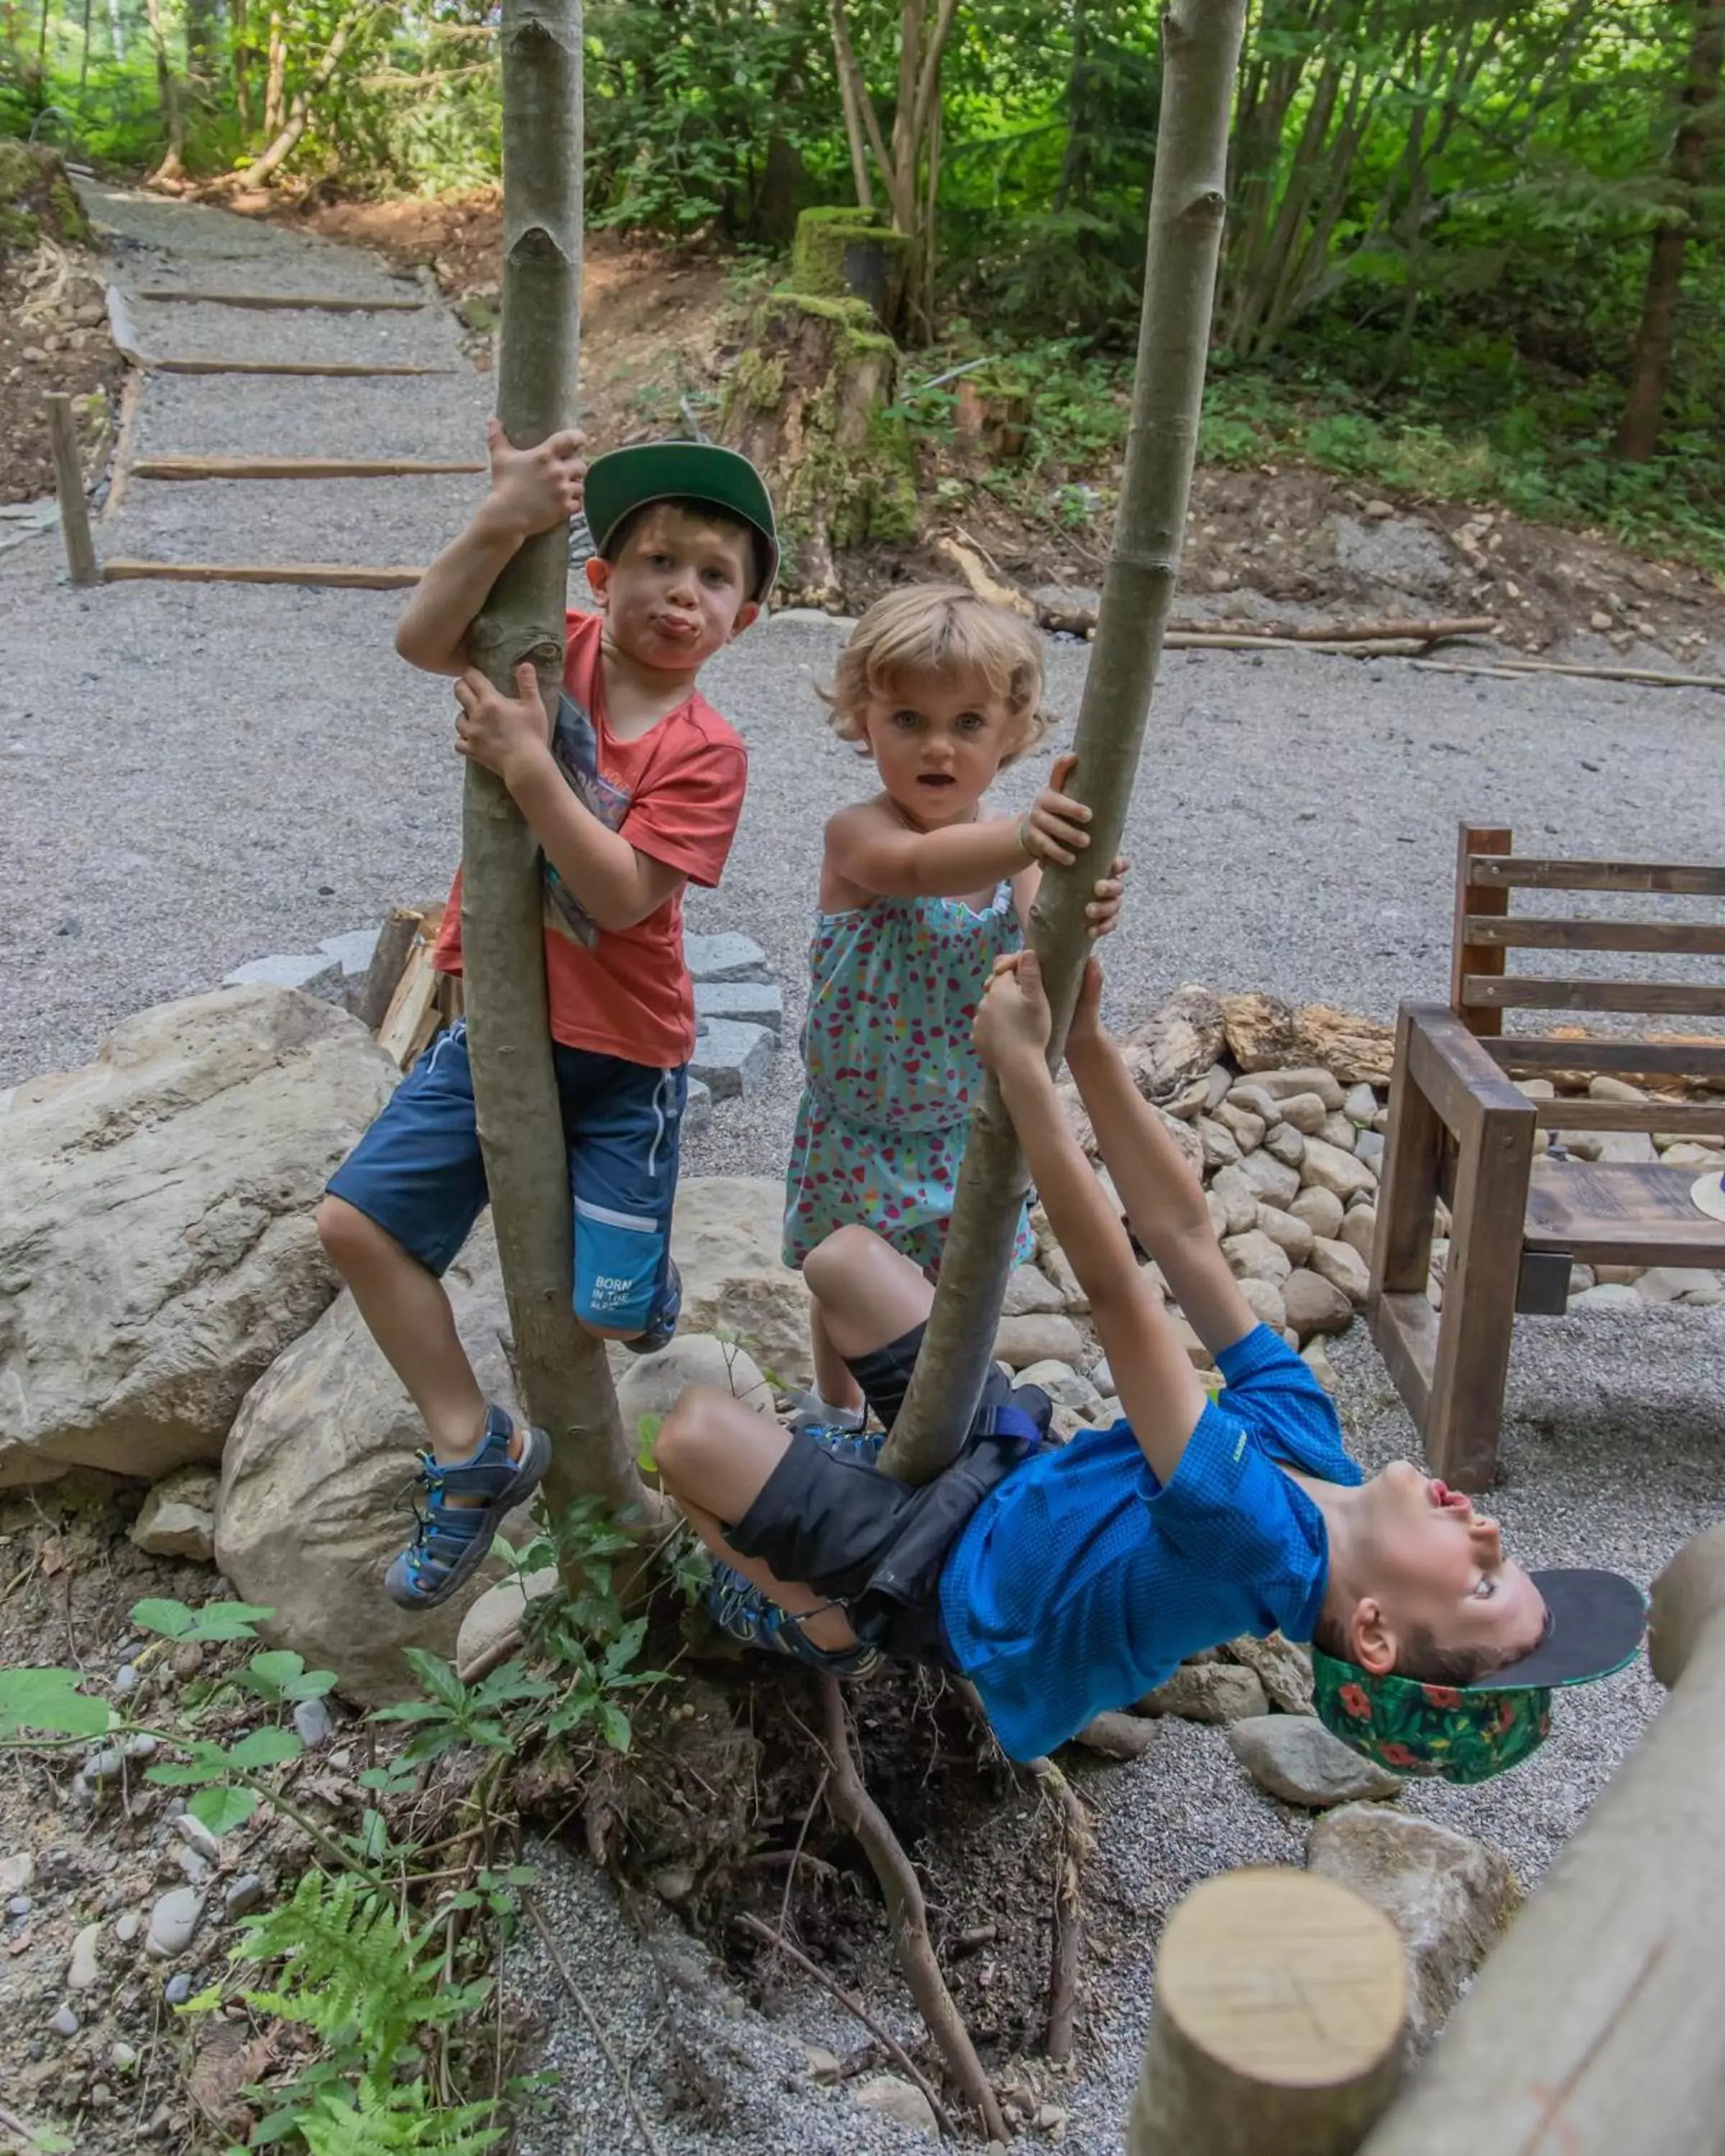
x=190 y=777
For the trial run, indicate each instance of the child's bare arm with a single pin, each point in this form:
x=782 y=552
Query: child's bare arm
x=1158 y=1389
x=1162 y=1196
x=531 y=491
x=615 y=881
x=872 y=849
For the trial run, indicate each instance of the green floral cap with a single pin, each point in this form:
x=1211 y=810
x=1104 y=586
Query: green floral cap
x=1416 y=1729
x=1593 y=1624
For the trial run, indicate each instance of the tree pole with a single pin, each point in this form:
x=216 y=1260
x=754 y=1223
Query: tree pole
x=1200 y=44
x=561 y=1369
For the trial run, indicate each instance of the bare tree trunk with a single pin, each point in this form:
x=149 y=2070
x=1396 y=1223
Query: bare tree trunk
x=1187 y=200
x=171 y=168
x=299 y=115
x=914 y=156
x=1637 y=436
x=845 y=63
x=241 y=58
x=274 y=73
x=562 y=1369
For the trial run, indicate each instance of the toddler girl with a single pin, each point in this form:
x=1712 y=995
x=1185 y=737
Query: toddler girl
x=921 y=891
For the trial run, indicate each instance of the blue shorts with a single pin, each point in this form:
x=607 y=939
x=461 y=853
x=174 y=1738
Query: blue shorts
x=418 y=1173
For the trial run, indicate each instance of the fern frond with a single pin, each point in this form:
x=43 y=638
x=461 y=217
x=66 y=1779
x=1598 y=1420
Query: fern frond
x=351 y=1971
x=388 y=2121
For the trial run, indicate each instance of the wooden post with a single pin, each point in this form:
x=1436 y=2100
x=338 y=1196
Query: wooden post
x=69 y=485
x=1281 y=1997
x=1594 y=2028
x=1200 y=46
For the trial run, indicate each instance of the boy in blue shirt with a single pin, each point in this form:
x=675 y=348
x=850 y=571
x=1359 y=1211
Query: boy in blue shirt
x=1065 y=1579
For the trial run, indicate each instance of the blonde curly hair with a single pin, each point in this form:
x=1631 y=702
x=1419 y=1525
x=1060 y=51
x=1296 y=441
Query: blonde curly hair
x=939 y=629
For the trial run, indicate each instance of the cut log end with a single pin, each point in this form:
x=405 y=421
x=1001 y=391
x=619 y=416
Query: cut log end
x=1280 y=2002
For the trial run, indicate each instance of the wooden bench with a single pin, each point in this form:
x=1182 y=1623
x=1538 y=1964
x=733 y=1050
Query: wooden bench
x=1462 y=1131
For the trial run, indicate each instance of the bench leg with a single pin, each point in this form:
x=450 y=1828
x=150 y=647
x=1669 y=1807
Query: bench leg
x=1464 y=1415
x=1407 y=1182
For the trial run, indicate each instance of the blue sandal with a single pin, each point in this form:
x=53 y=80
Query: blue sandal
x=453 y=1541
x=741 y=1611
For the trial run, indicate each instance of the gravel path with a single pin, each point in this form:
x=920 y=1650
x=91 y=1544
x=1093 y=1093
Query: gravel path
x=191 y=777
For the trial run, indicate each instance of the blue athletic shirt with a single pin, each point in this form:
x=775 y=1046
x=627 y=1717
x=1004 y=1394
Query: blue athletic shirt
x=1081 y=1581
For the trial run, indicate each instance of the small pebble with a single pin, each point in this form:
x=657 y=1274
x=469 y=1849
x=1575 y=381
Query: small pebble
x=128 y=1927
x=188 y=1660
x=195 y=1867
x=192 y=1831
x=178 y=1990
x=245 y=1893
x=65 y=2023
x=173 y=1921
x=19 y=1905
x=125 y=1679
x=314 y=1721
x=101 y=2097
x=122 y=2058
x=143 y=1746
x=85 y=1970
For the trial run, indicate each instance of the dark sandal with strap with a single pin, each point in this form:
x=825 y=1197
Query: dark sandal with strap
x=454 y=1540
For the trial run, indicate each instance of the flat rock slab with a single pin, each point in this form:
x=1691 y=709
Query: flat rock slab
x=314 y=973
x=752 y=1003
x=727 y=958
x=731 y=1058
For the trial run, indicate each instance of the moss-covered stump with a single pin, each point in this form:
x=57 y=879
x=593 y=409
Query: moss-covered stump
x=808 y=401
x=38 y=200
x=851 y=254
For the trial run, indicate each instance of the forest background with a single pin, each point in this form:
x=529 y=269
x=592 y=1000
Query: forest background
x=1476 y=251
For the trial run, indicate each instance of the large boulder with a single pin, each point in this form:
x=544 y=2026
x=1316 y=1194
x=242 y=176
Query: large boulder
x=1450 y=1896
x=725 y=1237
x=157 y=1250
x=315 y=1487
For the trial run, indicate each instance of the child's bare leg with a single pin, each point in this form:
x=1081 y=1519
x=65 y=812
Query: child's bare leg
x=408 y=1314
x=866 y=1294
x=832 y=1380
x=714 y=1457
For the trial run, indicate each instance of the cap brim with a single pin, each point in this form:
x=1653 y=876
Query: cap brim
x=625 y=479
x=1598 y=1619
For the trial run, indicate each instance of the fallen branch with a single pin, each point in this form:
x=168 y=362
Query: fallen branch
x=895 y=2050
x=1511 y=669
x=650 y=2139
x=1077 y=1845
x=854 y=1808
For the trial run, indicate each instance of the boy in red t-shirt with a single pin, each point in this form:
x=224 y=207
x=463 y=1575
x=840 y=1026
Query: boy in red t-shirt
x=633 y=788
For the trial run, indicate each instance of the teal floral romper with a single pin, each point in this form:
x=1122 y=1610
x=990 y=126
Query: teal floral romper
x=890 y=1074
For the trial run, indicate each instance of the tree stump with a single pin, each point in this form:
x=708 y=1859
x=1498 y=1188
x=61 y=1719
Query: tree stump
x=1280 y=2003
x=851 y=254
x=808 y=403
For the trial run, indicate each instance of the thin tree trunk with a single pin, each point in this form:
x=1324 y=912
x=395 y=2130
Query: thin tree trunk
x=83 y=50
x=1187 y=200
x=240 y=59
x=846 y=67
x=1637 y=436
x=275 y=71
x=171 y=168
x=563 y=1374
x=299 y=115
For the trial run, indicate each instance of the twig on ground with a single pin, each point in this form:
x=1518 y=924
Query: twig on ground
x=1512 y=668
x=642 y=2125
x=907 y=1913
x=852 y=2005
x=1077 y=1844
x=790 y=1877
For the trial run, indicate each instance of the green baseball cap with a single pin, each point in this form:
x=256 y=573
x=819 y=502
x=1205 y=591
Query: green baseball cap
x=625 y=479
x=1469 y=1733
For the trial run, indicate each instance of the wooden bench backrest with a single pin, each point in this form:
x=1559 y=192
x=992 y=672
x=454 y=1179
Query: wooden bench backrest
x=1488 y=872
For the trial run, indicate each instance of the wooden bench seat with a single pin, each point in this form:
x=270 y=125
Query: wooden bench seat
x=1462 y=1132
